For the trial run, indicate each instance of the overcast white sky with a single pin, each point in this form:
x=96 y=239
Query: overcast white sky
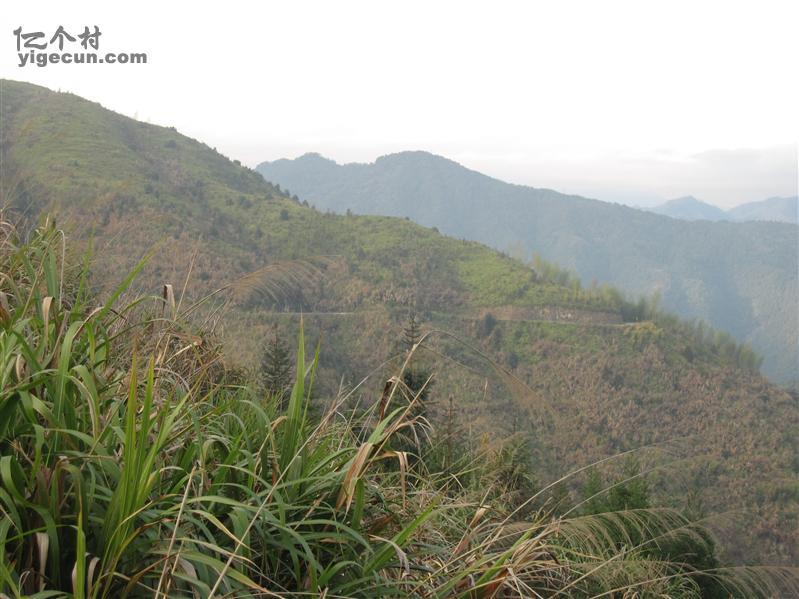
x=626 y=101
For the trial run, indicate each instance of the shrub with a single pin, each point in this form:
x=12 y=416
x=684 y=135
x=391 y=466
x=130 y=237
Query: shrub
x=133 y=462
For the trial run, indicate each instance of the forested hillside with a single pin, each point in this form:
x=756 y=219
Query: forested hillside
x=575 y=371
x=143 y=465
x=739 y=277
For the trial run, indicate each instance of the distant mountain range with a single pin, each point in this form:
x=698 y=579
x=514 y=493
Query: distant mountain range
x=741 y=277
x=782 y=210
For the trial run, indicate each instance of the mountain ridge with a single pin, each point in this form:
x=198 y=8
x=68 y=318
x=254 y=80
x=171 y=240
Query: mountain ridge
x=775 y=209
x=739 y=277
x=779 y=209
x=690 y=208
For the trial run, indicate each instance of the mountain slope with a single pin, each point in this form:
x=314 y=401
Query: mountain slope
x=782 y=210
x=689 y=208
x=740 y=277
x=566 y=371
x=778 y=210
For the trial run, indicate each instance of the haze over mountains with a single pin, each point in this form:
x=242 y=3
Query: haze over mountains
x=772 y=209
x=737 y=276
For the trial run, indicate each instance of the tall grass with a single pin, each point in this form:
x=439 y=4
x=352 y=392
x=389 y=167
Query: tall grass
x=134 y=463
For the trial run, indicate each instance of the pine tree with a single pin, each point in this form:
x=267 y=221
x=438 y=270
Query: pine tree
x=276 y=368
x=595 y=501
x=415 y=376
x=411 y=332
x=629 y=491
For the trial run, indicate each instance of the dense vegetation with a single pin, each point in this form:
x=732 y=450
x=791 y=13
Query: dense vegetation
x=134 y=462
x=739 y=277
x=577 y=373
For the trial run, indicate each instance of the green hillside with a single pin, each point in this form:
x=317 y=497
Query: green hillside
x=140 y=466
x=577 y=372
x=739 y=277
x=70 y=156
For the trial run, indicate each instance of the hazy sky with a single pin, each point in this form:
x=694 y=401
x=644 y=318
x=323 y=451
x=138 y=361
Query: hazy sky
x=629 y=101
